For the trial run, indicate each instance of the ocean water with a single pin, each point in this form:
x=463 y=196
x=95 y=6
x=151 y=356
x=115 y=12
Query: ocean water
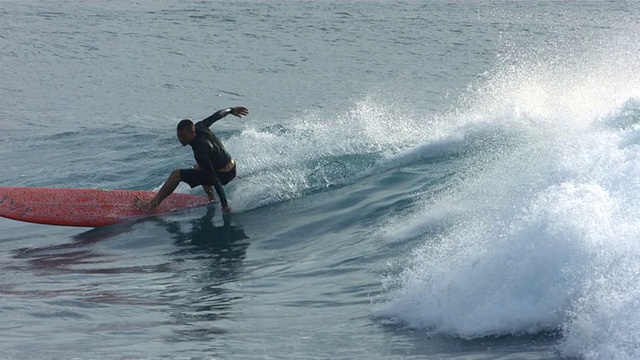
x=416 y=179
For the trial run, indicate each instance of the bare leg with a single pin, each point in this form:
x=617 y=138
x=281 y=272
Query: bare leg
x=208 y=189
x=169 y=186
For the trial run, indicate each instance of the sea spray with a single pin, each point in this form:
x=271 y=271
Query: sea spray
x=540 y=234
x=285 y=161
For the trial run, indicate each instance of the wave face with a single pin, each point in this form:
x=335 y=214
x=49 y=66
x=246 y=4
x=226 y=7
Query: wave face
x=540 y=233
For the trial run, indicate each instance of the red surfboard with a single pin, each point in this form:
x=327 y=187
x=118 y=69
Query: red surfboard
x=84 y=207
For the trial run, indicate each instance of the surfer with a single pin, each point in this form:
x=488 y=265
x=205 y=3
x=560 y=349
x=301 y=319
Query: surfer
x=214 y=167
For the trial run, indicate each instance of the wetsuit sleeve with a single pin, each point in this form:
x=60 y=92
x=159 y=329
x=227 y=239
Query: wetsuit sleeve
x=207 y=166
x=216 y=116
x=220 y=191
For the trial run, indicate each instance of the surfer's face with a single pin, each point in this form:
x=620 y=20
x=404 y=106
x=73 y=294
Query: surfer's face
x=186 y=136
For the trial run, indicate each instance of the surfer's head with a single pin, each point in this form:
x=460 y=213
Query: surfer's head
x=186 y=131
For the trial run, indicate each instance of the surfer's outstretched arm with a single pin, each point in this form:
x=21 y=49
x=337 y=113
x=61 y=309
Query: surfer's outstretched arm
x=238 y=111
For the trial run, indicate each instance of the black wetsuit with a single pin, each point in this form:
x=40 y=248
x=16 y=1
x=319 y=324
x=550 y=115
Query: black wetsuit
x=211 y=156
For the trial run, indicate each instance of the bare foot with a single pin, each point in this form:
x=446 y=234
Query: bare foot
x=142 y=206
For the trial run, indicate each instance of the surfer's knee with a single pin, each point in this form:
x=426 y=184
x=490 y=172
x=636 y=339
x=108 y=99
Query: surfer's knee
x=175 y=175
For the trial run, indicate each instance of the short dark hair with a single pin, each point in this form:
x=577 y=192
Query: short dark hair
x=185 y=124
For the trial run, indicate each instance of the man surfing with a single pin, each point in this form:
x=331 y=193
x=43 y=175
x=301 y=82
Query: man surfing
x=214 y=167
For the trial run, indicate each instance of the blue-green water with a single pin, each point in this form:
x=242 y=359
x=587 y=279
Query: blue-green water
x=446 y=180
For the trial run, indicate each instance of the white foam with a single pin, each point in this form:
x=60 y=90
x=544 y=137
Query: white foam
x=542 y=233
x=284 y=161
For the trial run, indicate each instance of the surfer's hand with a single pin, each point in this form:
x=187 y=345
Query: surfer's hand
x=226 y=210
x=239 y=111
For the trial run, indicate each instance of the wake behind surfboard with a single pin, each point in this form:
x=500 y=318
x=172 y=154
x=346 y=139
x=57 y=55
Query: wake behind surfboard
x=84 y=207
